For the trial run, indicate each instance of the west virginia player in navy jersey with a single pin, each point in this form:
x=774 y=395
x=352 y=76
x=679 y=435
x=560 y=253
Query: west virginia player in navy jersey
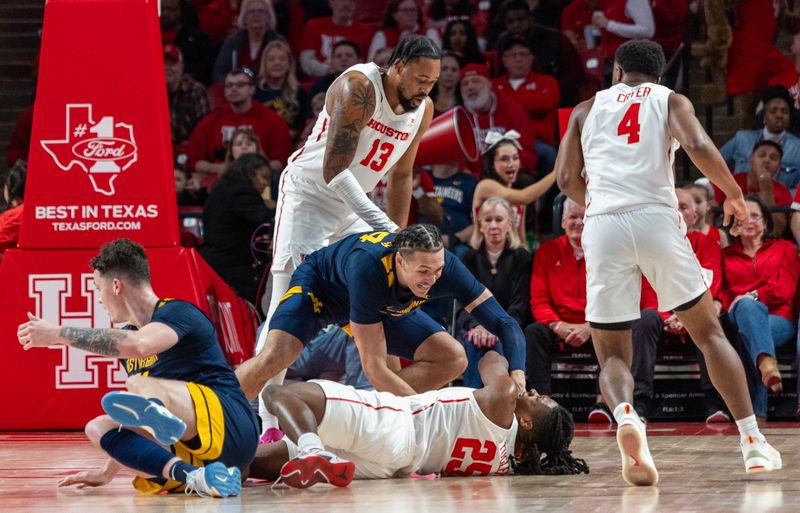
x=373 y=284
x=181 y=392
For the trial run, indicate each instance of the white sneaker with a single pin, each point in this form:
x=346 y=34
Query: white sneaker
x=638 y=468
x=759 y=456
x=214 y=480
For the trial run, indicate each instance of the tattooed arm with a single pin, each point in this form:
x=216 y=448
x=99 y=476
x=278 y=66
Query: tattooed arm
x=351 y=104
x=153 y=338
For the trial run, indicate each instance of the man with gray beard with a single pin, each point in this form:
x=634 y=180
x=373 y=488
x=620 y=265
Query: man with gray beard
x=495 y=113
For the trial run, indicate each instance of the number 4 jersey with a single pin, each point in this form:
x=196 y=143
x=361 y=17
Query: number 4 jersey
x=381 y=143
x=628 y=149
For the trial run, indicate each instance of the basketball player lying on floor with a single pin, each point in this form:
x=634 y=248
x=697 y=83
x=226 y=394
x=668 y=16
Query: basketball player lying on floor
x=336 y=433
x=376 y=282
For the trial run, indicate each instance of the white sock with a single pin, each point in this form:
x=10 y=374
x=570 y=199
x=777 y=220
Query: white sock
x=310 y=442
x=748 y=426
x=291 y=447
x=624 y=410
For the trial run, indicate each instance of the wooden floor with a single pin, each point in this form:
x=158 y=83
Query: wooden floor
x=701 y=470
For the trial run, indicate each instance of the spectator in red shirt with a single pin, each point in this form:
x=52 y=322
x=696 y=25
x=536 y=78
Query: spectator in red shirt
x=209 y=141
x=243 y=49
x=320 y=34
x=537 y=93
x=493 y=113
x=765 y=162
x=13 y=193
x=759 y=290
x=558 y=304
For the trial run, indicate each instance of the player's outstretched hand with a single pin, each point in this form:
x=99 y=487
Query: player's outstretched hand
x=94 y=477
x=37 y=333
x=734 y=214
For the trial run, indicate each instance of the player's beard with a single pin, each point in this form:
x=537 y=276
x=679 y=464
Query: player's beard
x=405 y=102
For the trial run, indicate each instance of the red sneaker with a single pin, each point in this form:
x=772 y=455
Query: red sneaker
x=317 y=467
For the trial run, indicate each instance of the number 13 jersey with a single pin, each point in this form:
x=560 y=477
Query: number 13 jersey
x=381 y=143
x=628 y=149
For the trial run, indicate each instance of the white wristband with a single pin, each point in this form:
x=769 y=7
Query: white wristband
x=418 y=193
x=350 y=192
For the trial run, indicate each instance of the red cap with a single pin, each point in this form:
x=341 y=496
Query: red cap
x=474 y=69
x=173 y=52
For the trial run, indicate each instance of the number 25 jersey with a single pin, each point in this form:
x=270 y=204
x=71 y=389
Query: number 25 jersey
x=381 y=143
x=628 y=149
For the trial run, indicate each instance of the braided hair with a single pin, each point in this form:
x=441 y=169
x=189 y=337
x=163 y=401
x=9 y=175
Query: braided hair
x=414 y=47
x=554 y=442
x=418 y=237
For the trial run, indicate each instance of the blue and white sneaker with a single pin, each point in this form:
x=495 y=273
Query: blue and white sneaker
x=215 y=480
x=133 y=410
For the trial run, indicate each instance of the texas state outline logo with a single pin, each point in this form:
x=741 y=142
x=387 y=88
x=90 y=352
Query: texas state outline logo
x=101 y=149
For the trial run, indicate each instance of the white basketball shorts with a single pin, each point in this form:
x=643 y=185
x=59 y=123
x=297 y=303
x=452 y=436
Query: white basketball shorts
x=620 y=247
x=308 y=217
x=372 y=429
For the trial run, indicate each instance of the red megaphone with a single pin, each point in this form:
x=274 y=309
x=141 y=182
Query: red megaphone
x=449 y=139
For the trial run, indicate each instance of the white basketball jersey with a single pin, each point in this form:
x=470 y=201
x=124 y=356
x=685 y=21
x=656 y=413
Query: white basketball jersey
x=628 y=149
x=454 y=437
x=382 y=142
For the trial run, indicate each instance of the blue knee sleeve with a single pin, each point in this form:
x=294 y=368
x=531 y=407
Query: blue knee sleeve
x=135 y=451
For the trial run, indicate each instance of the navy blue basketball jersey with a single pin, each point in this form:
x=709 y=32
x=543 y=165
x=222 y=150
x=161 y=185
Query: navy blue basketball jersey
x=196 y=358
x=357 y=280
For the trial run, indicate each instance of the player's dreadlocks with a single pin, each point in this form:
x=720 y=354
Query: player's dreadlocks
x=414 y=47
x=553 y=440
x=418 y=237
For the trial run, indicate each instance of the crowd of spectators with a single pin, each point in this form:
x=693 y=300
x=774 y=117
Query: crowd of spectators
x=246 y=81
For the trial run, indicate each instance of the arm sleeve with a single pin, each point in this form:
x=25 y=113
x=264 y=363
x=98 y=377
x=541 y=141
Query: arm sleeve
x=492 y=317
x=366 y=285
x=643 y=26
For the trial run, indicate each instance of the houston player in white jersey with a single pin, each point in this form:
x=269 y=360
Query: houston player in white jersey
x=336 y=433
x=371 y=125
x=625 y=138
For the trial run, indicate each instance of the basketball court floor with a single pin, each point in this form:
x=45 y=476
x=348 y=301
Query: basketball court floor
x=700 y=470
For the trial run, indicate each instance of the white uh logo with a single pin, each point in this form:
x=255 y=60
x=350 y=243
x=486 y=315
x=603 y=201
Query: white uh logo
x=78 y=369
